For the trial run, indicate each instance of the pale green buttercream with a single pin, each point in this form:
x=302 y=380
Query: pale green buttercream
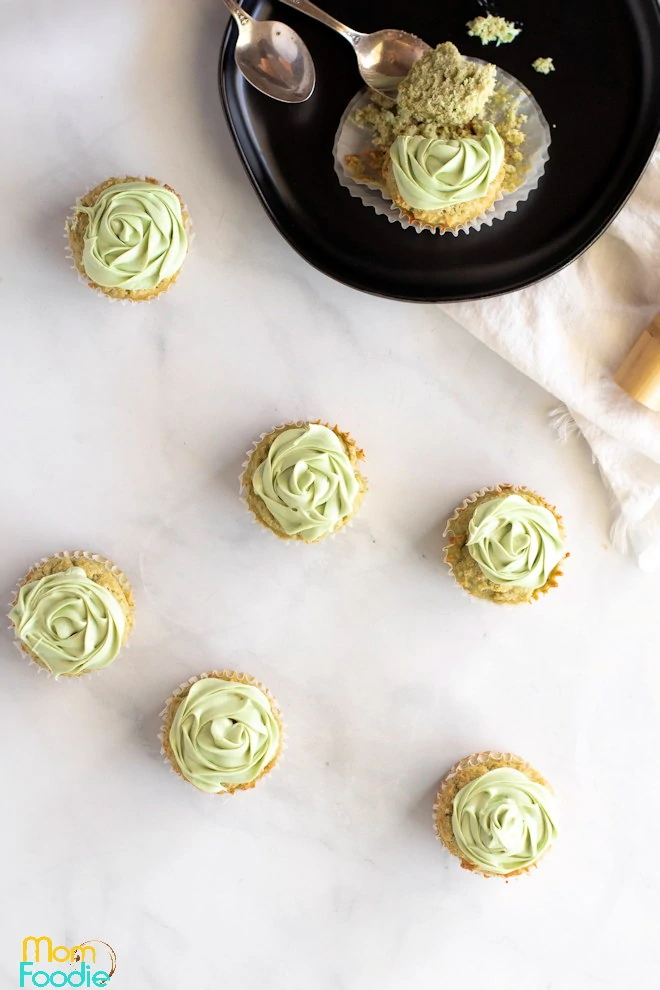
x=71 y=623
x=307 y=481
x=223 y=733
x=136 y=236
x=503 y=821
x=515 y=542
x=432 y=173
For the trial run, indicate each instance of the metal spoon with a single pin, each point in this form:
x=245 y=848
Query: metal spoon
x=273 y=58
x=384 y=58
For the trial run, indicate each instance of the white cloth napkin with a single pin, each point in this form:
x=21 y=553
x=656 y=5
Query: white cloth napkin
x=571 y=332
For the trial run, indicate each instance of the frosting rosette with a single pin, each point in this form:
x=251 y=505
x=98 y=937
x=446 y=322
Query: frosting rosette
x=135 y=236
x=515 y=542
x=433 y=173
x=223 y=734
x=69 y=622
x=503 y=822
x=307 y=482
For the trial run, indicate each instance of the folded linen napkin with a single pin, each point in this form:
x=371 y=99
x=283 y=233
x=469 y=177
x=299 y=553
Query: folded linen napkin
x=571 y=332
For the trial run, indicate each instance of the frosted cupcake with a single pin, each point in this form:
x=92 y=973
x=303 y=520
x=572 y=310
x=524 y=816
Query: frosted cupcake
x=72 y=613
x=496 y=814
x=301 y=481
x=506 y=545
x=129 y=238
x=222 y=732
x=446 y=182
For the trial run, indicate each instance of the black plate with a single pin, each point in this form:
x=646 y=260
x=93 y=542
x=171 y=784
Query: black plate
x=604 y=99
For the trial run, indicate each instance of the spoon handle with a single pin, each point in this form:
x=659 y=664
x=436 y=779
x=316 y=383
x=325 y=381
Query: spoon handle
x=309 y=8
x=237 y=12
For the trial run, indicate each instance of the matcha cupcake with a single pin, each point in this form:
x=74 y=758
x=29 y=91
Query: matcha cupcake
x=129 y=238
x=301 y=481
x=496 y=814
x=222 y=732
x=506 y=545
x=446 y=182
x=462 y=146
x=72 y=613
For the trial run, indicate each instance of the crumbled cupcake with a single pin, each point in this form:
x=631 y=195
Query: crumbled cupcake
x=461 y=136
x=440 y=163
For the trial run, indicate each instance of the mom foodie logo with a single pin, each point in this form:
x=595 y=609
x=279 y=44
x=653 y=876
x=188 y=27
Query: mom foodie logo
x=89 y=964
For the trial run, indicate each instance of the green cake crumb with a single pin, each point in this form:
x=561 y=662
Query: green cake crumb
x=544 y=65
x=445 y=88
x=492 y=28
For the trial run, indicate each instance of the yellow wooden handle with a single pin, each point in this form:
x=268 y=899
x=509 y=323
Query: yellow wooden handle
x=639 y=375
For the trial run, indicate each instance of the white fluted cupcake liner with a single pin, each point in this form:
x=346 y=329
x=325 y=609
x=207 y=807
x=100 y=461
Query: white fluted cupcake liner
x=502 y=489
x=116 y=572
x=443 y=799
x=353 y=140
x=243 y=491
x=240 y=678
x=72 y=218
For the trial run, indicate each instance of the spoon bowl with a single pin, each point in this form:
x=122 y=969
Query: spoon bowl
x=273 y=58
x=386 y=57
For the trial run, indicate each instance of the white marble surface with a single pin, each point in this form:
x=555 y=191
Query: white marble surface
x=124 y=431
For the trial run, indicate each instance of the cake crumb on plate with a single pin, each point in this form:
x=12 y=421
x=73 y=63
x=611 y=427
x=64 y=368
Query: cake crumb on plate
x=491 y=28
x=544 y=65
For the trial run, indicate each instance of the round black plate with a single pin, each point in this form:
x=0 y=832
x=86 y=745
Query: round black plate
x=603 y=100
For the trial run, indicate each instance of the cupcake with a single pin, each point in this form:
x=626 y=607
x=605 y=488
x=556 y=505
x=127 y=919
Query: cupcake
x=445 y=182
x=462 y=136
x=496 y=813
x=301 y=481
x=129 y=238
x=506 y=545
x=72 y=613
x=222 y=732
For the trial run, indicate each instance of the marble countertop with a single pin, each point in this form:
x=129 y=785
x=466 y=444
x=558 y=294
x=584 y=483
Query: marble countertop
x=124 y=432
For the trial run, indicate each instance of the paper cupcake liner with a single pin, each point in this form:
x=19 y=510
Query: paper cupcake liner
x=243 y=489
x=353 y=140
x=445 y=797
x=116 y=572
x=225 y=675
x=70 y=220
x=503 y=489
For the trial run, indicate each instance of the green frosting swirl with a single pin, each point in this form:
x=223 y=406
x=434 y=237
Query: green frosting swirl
x=135 y=238
x=223 y=732
x=307 y=482
x=503 y=821
x=71 y=623
x=432 y=173
x=515 y=542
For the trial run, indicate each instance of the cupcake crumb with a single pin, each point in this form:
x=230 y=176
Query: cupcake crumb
x=443 y=87
x=510 y=124
x=491 y=28
x=544 y=66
